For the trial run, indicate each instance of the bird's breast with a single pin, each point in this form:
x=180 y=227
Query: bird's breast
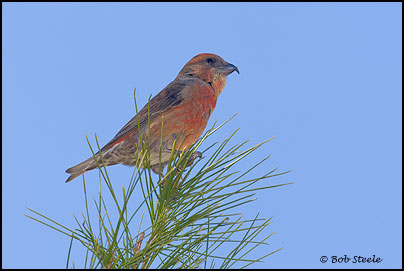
x=188 y=120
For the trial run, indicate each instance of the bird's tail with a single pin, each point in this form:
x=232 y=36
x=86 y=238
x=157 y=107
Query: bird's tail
x=81 y=168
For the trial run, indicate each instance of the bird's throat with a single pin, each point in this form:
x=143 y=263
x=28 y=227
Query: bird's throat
x=218 y=83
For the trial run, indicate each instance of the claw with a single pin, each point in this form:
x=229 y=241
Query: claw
x=195 y=155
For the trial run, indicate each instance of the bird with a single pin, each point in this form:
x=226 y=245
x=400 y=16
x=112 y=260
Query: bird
x=183 y=107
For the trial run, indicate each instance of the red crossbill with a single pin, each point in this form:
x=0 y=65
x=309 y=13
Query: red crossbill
x=186 y=105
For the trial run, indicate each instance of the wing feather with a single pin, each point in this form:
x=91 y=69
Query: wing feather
x=169 y=97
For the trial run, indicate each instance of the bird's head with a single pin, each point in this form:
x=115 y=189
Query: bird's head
x=210 y=68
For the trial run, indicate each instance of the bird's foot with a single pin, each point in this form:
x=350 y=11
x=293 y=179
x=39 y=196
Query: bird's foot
x=195 y=155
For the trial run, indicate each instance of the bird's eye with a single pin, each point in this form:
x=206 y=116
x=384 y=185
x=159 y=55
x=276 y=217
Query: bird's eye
x=210 y=60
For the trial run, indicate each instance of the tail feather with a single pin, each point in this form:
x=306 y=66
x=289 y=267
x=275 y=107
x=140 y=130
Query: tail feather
x=73 y=176
x=81 y=168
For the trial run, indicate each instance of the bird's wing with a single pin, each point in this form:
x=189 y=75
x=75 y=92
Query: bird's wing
x=167 y=98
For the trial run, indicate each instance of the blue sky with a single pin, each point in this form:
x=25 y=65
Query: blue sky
x=325 y=78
